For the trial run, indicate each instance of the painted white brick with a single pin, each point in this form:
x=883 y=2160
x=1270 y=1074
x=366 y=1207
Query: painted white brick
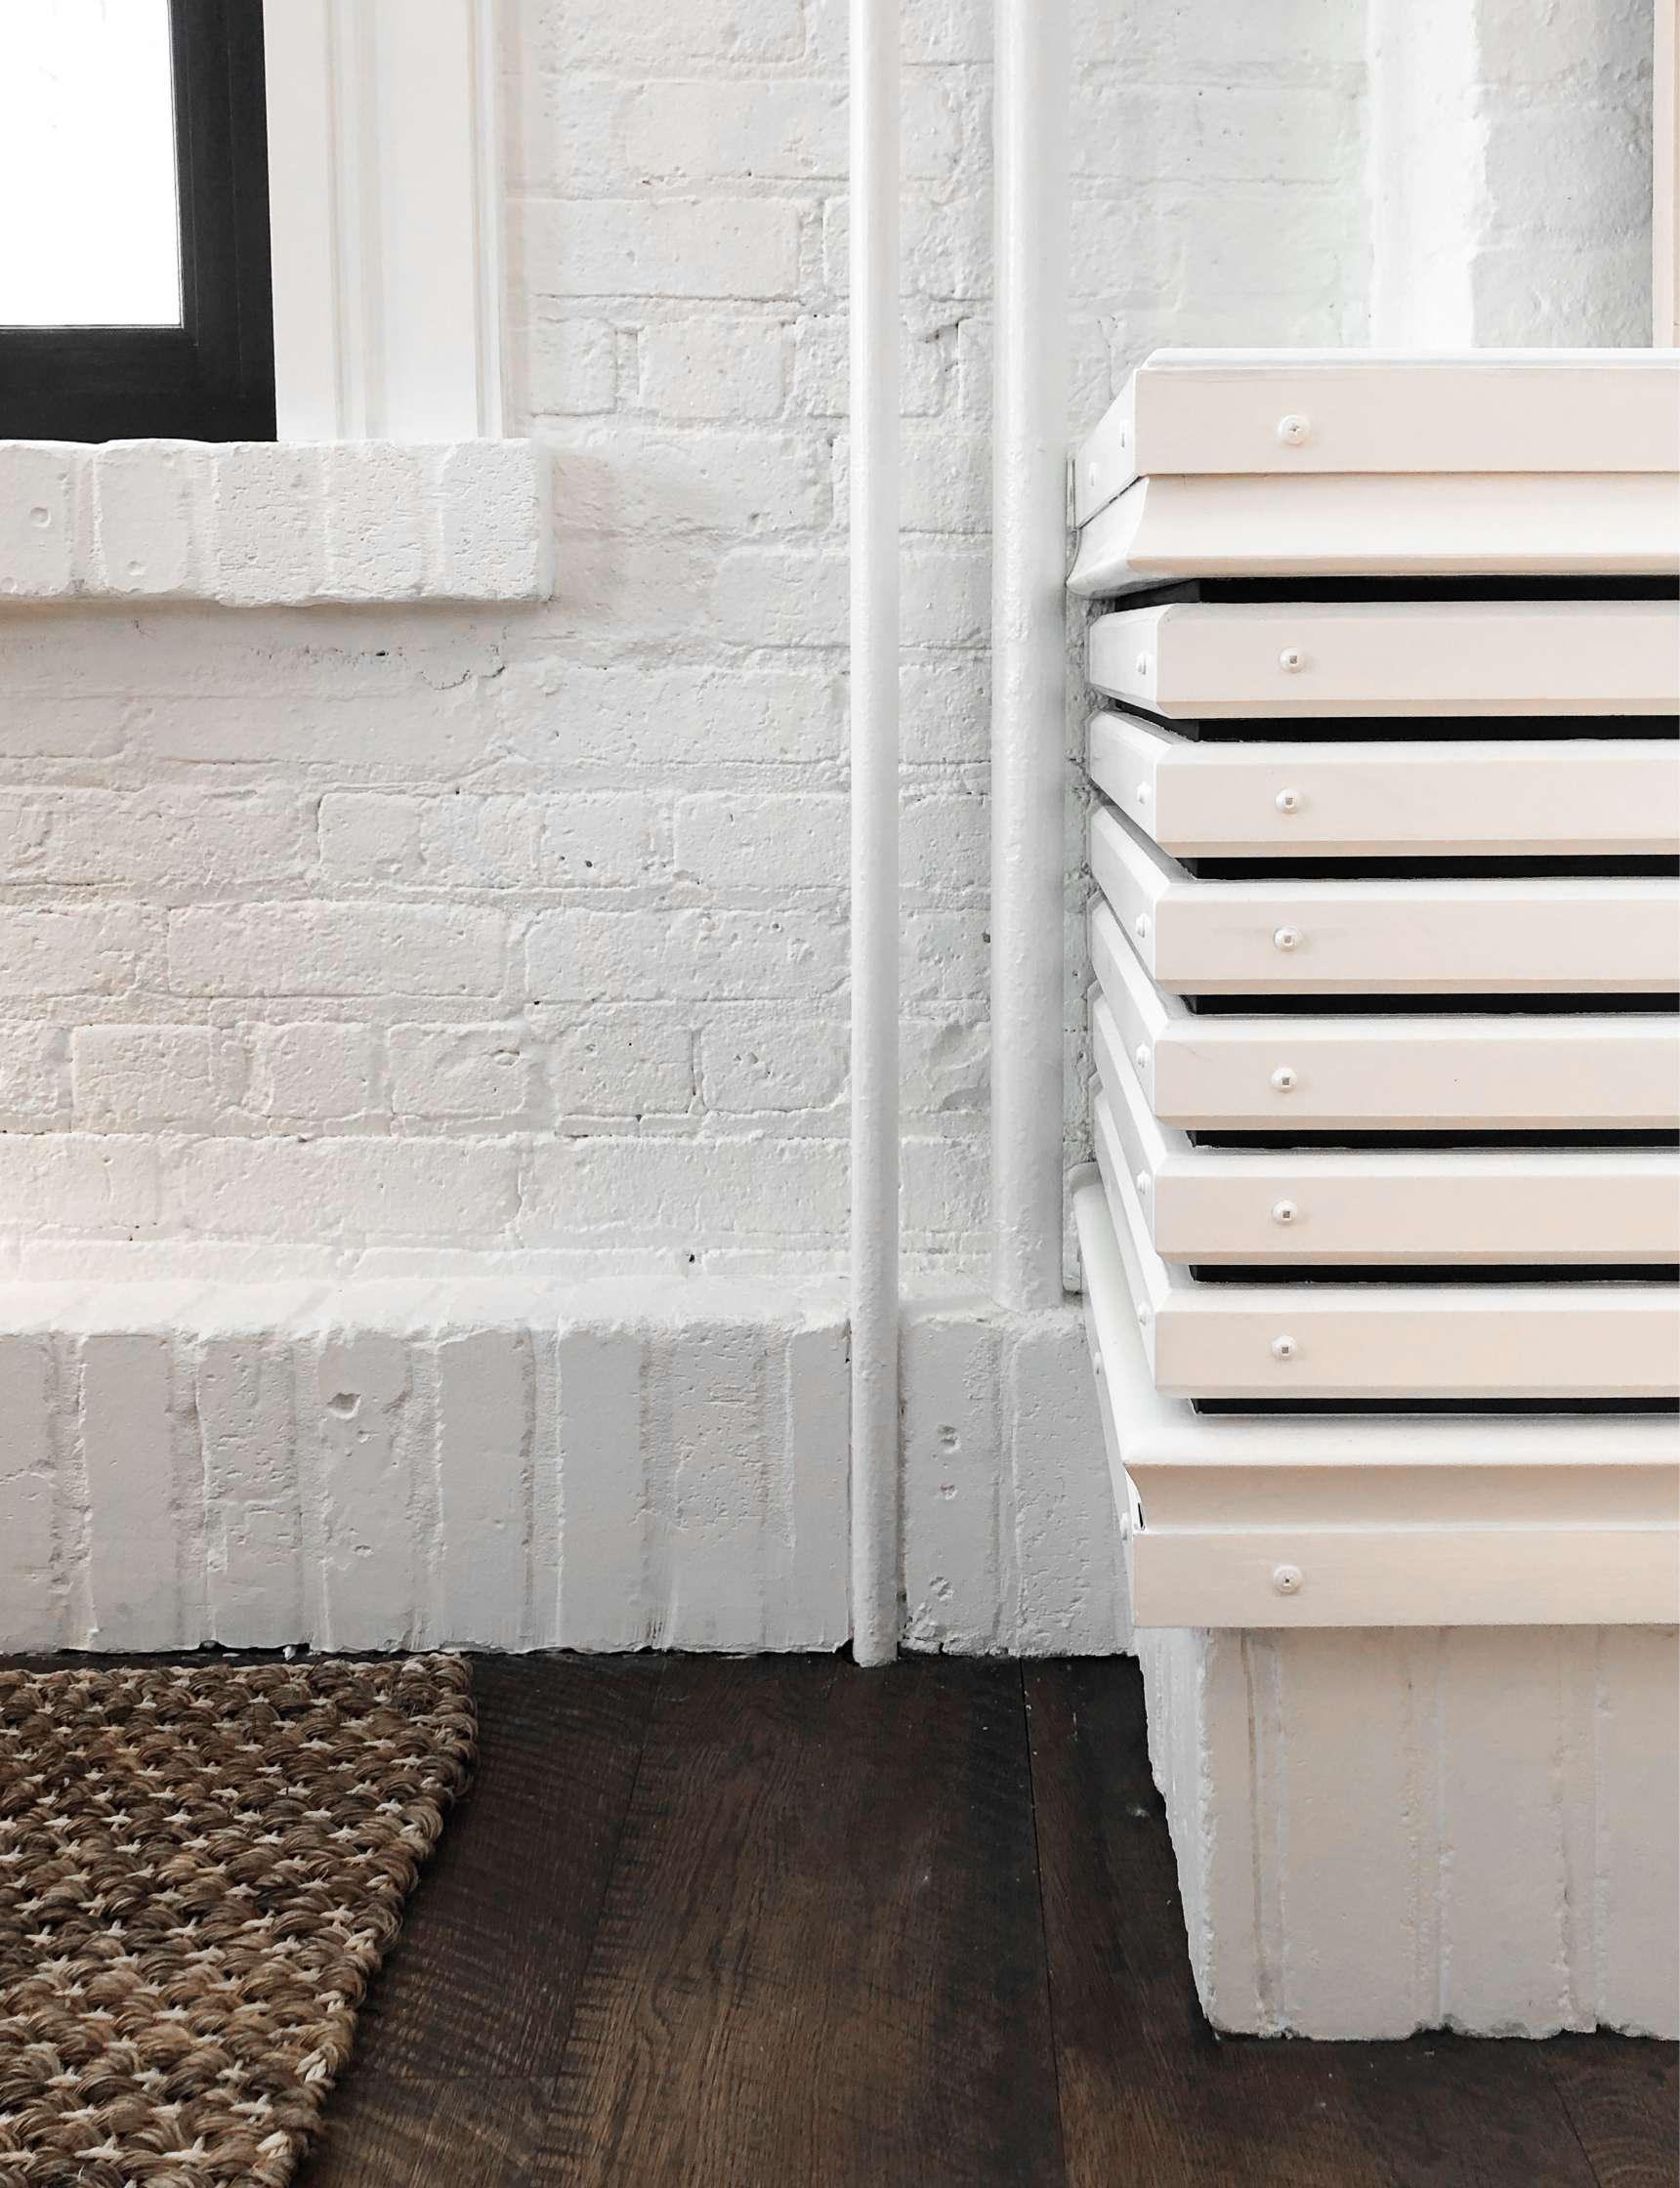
x=101 y=950
x=269 y=537
x=496 y=517
x=713 y=369
x=675 y=246
x=361 y=1411
x=153 y=837
x=244 y=1393
x=128 y=1078
x=705 y=31
x=34 y=725
x=137 y=1538
x=822 y=348
x=945 y=1064
x=768 y=596
x=37 y=514
x=944 y=710
x=484 y=1458
x=572 y=364
x=77 y=1182
x=777 y=842
x=422 y=729
x=734 y=482
x=478 y=1072
x=148 y=521
x=776 y=1063
x=695 y=954
x=34 y=1075
x=596 y=840
x=671 y=717
x=946 y=841
x=603 y=1582
x=375 y=1188
x=631 y=1065
x=312 y=1071
x=683 y=1192
x=335 y=950
x=29 y=1586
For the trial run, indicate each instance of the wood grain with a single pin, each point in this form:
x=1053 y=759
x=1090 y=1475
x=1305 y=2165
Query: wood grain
x=821 y=1960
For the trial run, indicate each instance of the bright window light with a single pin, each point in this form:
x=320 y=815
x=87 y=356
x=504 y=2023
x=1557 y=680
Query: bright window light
x=89 y=235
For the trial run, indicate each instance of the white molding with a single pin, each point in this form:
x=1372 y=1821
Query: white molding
x=1294 y=412
x=1504 y=935
x=1424 y=525
x=1513 y=796
x=1502 y=1072
x=1219 y=1206
x=384 y=215
x=1427 y=1521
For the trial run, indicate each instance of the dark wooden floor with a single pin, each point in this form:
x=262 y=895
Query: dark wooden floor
x=774 y=1923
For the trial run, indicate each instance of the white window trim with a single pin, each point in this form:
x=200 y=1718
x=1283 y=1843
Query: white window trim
x=385 y=210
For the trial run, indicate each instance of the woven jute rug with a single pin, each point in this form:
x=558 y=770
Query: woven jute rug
x=200 y=1869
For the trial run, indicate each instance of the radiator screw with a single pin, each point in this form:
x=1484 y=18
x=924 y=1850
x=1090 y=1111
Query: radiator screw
x=1142 y=664
x=1092 y=475
x=1287 y=801
x=1293 y=429
x=1286 y=1579
x=1283 y=1078
x=1292 y=659
x=1142 y=1313
x=1143 y=794
x=1285 y=938
x=1141 y=1182
x=1140 y=1058
x=1141 y=927
x=1283 y=1211
x=1283 y=1348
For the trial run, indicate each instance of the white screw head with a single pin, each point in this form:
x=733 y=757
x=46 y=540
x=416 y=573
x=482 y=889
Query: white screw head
x=1294 y=428
x=1283 y=1211
x=1283 y=1078
x=1092 y=474
x=1287 y=801
x=1142 y=1313
x=1287 y=938
x=1142 y=664
x=1140 y=1058
x=1143 y=794
x=1141 y=1182
x=1141 y=927
x=1292 y=659
x=1287 y=1580
x=1283 y=1348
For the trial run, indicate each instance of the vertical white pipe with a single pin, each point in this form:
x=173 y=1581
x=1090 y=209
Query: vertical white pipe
x=874 y=664
x=1029 y=549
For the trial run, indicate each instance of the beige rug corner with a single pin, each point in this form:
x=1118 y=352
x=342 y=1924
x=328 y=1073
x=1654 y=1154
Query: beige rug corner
x=201 y=1866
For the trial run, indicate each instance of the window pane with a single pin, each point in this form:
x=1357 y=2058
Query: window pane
x=88 y=228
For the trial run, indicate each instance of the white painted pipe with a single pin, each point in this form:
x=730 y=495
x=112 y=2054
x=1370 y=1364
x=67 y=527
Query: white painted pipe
x=1029 y=550
x=874 y=664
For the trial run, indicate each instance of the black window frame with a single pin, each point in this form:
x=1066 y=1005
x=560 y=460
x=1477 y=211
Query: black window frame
x=212 y=377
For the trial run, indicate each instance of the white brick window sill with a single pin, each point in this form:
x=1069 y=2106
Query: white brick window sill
x=260 y=524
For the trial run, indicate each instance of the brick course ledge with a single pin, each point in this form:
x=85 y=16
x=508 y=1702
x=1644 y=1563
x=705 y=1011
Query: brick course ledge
x=264 y=525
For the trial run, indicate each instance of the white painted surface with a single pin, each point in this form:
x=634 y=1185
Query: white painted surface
x=1516 y=1073
x=385 y=217
x=1391 y=657
x=1293 y=414
x=512 y=1462
x=1563 y=1340
x=1511 y=796
x=249 y=525
x=1296 y=1205
x=1029 y=791
x=874 y=630
x=1392 y=1831
x=1372 y=1520
x=1167 y=530
x=1520 y=935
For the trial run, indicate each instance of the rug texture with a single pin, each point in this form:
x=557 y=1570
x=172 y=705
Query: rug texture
x=201 y=1866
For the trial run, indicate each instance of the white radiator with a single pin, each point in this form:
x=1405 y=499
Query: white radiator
x=1381 y=1241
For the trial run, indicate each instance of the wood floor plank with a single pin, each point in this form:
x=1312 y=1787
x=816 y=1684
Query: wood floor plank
x=405 y=2131
x=1622 y=2096
x=1148 y=2094
x=821 y=1958
x=485 y=1976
